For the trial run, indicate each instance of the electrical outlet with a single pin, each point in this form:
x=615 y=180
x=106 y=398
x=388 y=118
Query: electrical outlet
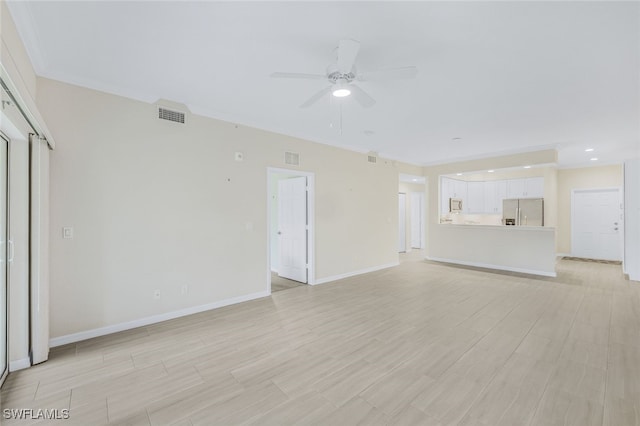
x=184 y=289
x=157 y=294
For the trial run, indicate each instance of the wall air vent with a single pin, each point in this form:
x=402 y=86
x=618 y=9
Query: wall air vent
x=292 y=158
x=372 y=158
x=170 y=115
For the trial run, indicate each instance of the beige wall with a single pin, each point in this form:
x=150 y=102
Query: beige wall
x=157 y=205
x=582 y=178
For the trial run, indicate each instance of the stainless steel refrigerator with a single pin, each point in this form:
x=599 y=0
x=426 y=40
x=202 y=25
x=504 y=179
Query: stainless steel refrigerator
x=523 y=212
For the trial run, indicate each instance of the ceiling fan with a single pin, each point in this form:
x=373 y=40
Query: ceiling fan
x=342 y=74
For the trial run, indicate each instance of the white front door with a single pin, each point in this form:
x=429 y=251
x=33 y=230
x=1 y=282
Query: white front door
x=292 y=228
x=402 y=226
x=597 y=224
x=417 y=226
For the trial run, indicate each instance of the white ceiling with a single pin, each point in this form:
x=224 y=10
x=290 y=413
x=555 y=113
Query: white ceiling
x=504 y=77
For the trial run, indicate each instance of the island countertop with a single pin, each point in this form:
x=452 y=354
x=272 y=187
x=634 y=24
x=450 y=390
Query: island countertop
x=527 y=249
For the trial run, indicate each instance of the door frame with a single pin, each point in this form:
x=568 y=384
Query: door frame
x=413 y=195
x=271 y=171
x=402 y=219
x=7 y=273
x=573 y=214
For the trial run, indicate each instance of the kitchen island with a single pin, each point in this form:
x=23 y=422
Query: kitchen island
x=526 y=249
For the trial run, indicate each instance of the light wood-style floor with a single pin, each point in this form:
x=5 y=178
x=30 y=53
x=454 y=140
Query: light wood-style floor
x=422 y=343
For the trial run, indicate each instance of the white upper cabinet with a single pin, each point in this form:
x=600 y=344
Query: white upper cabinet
x=494 y=192
x=451 y=188
x=515 y=188
x=486 y=197
x=459 y=189
x=445 y=184
x=532 y=187
x=475 y=198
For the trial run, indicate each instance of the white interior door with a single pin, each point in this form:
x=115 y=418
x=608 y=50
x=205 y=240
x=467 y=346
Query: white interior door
x=4 y=145
x=417 y=225
x=292 y=228
x=597 y=224
x=402 y=225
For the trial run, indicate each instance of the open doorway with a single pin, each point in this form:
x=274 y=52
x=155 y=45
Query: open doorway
x=411 y=216
x=291 y=226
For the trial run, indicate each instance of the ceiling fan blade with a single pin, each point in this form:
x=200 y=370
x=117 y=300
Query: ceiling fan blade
x=298 y=75
x=403 y=73
x=347 y=52
x=315 y=98
x=361 y=96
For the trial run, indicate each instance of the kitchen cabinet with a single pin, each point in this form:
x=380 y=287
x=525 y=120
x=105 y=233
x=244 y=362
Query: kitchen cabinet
x=532 y=187
x=486 y=197
x=494 y=192
x=475 y=198
x=445 y=190
x=451 y=188
x=459 y=189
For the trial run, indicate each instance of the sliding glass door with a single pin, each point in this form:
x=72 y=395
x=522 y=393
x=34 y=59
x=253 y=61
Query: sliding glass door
x=4 y=251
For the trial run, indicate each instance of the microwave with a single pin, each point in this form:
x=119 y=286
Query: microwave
x=455 y=205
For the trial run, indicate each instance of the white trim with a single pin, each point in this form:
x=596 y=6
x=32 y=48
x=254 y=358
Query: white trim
x=491 y=266
x=353 y=273
x=19 y=364
x=311 y=195
x=39 y=250
x=102 y=331
x=564 y=254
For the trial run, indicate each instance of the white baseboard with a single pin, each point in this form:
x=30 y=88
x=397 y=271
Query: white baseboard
x=563 y=254
x=491 y=266
x=102 y=331
x=354 y=273
x=19 y=364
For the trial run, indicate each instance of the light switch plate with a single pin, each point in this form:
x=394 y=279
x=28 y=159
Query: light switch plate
x=67 y=232
x=239 y=156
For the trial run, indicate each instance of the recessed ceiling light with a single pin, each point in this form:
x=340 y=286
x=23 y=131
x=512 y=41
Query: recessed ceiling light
x=527 y=167
x=456 y=139
x=594 y=159
x=588 y=150
x=458 y=174
x=490 y=171
x=415 y=180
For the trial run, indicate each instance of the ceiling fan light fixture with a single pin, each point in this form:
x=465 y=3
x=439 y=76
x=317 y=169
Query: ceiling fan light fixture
x=340 y=89
x=341 y=92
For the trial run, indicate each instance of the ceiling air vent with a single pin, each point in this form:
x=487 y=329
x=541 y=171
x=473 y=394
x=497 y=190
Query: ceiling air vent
x=292 y=158
x=169 y=115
